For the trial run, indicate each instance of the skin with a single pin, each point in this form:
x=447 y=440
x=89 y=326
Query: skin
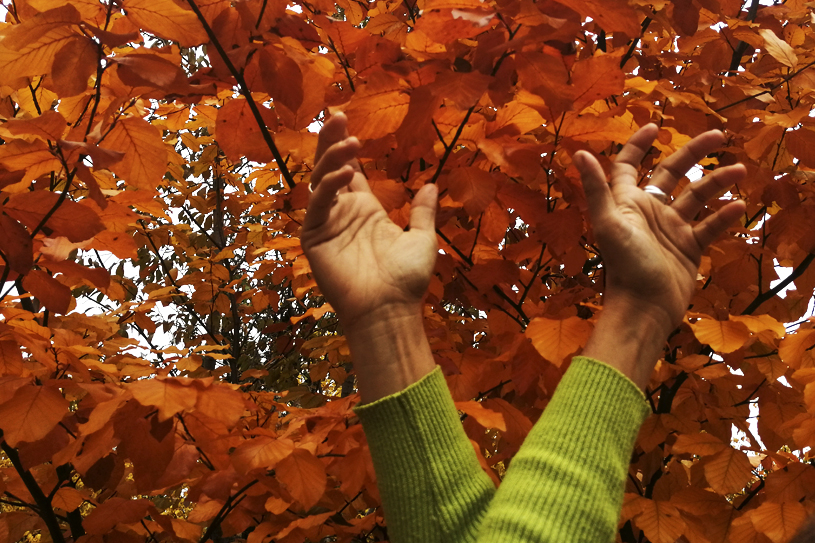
x=375 y=274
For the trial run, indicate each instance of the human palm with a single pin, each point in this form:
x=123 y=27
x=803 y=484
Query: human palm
x=651 y=250
x=361 y=259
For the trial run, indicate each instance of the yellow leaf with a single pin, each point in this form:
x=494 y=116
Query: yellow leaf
x=778 y=48
x=555 y=340
x=722 y=336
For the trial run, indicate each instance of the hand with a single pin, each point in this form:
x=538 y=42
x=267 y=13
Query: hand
x=363 y=262
x=651 y=251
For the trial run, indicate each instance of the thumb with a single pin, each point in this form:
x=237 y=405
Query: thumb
x=423 y=208
x=598 y=194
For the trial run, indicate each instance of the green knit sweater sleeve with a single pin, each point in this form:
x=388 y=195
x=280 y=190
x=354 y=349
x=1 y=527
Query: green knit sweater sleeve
x=433 y=488
x=564 y=484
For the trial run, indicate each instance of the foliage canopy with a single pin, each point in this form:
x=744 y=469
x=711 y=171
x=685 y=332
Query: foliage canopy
x=168 y=369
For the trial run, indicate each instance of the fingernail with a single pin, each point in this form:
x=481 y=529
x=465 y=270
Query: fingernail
x=351 y=141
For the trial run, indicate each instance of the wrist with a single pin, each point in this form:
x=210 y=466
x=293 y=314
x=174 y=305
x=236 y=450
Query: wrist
x=390 y=350
x=630 y=338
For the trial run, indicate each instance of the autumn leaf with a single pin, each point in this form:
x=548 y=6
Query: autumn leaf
x=31 y=413
x=660 y=521
x=170 y=396
x=261 y=452
x=484 y=417
x=701 y=444
x=145 y=157
x=16 y=245
x=304 y=477
x=778 y=48
x=555 y=340
x=238 y=132
x=167 y=20
x=69 y=219
x=722 y=336
x=728 y=471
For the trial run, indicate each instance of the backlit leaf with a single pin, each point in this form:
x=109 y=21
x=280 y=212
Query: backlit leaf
x=304 y=476
x=31 y=413
x=728 y=471
x=555 y=340
x=778 y=48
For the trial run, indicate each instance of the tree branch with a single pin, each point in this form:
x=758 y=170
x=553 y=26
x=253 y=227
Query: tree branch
x=796 y=273
x=246 y=93
x=46 y=512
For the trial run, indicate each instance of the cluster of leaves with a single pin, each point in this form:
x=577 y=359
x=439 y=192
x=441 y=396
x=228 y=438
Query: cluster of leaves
x=168 y=369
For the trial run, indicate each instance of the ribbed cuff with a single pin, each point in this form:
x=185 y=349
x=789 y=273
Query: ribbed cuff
x=567 y=481
x=421 y=453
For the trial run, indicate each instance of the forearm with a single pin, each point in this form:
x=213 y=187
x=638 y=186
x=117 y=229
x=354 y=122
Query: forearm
x=433 y=488
x=629 y=338
x=566 y=483
x=390 y=350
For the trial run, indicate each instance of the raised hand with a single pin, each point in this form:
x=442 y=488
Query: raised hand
x=651 y=250
x=363 y=262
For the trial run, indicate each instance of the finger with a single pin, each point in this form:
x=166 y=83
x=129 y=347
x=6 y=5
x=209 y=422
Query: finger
x=627 y=164
x=340 y=154
x=322 y=199
x=333 y=131
x=672 y=169
x=694 y=198
x=714 y=226
x=598 y=193
x=423 y=209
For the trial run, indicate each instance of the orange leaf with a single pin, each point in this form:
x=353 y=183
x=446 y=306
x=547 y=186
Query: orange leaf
x=728 y=471
x=73 y=66
x=51 y=125
x=221 y=403
x=145 y=157
x=518 y=425
x=16 y=245
x=303 y=524
x=661 y=522
x=472 y=187
x=702 y=444
x=35 y=58
x=485 y=417
x=31 y=413
x=71 y=220
x=377 y=109
x=794 y=349
x=35 y=157
x=304 y=477
x=115 y=511
x=610 y=15
x=67 y=499
x=778 y=521
x=238 y=132
x=555 y=340
x=596 y=78
x=261 y=452
x=167 y=20
x=168 y=395
x=722 y=336
x=55 y=296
